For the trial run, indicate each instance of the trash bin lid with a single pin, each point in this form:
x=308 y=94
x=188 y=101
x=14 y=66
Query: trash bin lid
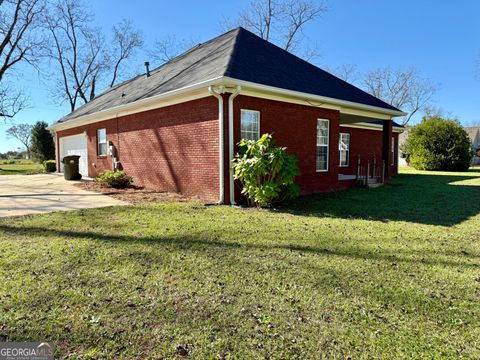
x=70 y=158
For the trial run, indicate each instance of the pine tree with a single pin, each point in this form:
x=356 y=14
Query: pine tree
x=42 y=142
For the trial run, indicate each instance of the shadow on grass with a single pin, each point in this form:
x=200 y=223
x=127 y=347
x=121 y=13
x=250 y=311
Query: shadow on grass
x=199 y=243
x=418 y=198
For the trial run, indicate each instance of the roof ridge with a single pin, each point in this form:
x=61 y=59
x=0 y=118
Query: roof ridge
x=309 y=65
x=189 y=50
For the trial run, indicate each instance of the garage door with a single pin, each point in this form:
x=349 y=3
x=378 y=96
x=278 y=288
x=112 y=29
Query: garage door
x=75 y=145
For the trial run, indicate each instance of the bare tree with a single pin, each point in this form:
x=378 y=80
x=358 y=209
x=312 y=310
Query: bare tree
x=281 y=21
x=346 y=72
x=169 y=47
x=11 y=101
x=84 y=60
x=23 y=133
x=404 y=89
x=76 y=50
x=126 y=40
x=18 y=43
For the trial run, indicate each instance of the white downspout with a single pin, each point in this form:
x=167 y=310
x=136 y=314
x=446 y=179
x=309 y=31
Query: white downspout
x=230 y=141
x=221 y=140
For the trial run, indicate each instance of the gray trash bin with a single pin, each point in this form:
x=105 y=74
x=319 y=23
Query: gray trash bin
x=70 y=167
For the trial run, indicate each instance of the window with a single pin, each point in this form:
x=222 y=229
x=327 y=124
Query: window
x=102 y=142
x=393 y=150
x=250 y=125
x=344 y=149
x=322 y=144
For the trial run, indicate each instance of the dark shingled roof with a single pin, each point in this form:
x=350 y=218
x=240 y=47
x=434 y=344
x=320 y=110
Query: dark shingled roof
x=238 y=54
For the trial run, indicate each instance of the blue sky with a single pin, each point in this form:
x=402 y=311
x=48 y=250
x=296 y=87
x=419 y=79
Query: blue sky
x=441 y=39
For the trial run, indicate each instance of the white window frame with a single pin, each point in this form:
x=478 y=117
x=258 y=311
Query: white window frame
x=340 y=150
x=257 y=113
x=327 y=145
x=393 y=151
x=99 y=142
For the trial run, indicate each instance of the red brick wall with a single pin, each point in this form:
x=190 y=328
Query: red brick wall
x=174 y=148
x=367 y=144
x=295 y=127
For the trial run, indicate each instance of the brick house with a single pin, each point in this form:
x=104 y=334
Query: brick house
x=176 y=128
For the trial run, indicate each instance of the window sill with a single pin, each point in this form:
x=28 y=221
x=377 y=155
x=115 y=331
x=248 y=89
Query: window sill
x=102 y=156
x=322 y=171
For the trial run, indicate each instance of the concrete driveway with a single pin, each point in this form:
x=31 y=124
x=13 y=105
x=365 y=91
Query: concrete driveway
x=42 y=193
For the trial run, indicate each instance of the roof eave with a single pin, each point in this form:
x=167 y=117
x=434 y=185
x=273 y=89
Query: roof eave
x=154 y=102
x=133 y=107
x=341 y=104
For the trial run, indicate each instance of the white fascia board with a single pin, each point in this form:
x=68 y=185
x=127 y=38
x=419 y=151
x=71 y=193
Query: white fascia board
x=195 y=91
x=342 y=105
x=368 y=126
x=173 y=97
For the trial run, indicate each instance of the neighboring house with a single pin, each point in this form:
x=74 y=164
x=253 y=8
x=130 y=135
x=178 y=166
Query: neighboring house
x=474 y=135
x=176 y=128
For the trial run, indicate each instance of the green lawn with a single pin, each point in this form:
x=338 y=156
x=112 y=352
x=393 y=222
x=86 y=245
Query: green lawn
x=392 y=272
x=20 y=167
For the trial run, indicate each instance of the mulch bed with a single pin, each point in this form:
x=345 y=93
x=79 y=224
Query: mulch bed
x=135 y=194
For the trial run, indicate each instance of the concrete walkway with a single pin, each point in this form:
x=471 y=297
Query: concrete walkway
x=42 y=193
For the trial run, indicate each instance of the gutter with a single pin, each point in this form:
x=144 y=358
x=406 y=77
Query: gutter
x=221 y=140
x=230 y=141
x=152 y=102
x=308 y=96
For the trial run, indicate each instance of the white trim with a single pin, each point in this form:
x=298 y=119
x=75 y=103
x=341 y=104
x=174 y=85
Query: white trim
x=251 y=111
x=307 y=96
x=199 y=90
x=392 y=152
x=221 y=141
x=327 y=146
x=367 y=126
x=98 y=142
x=339 y=151
x=231 y=140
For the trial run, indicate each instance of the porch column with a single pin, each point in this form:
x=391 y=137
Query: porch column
x=387 y=143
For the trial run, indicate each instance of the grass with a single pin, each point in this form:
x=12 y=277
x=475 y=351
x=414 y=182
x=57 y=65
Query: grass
x=20 y=167
x=392 y=272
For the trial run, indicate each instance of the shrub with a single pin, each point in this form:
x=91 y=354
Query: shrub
x=116 y=179
x=266 y=172
x=50 y=166
x=438 y=144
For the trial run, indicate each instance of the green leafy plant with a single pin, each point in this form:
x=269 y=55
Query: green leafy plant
x=267 y=172
x=50 y=166
x=116 y=179
x=438 y=144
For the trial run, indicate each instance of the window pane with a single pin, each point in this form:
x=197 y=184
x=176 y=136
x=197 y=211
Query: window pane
x=344 y=148
x=102 y=135
x=102 y=149
x=102 y=141
x=250 y=125
x=322 y=157
x=322 y=132
x=393 y=150
x=322 y=144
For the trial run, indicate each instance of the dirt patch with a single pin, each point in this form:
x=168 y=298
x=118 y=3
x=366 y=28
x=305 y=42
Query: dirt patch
x=137 y=195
